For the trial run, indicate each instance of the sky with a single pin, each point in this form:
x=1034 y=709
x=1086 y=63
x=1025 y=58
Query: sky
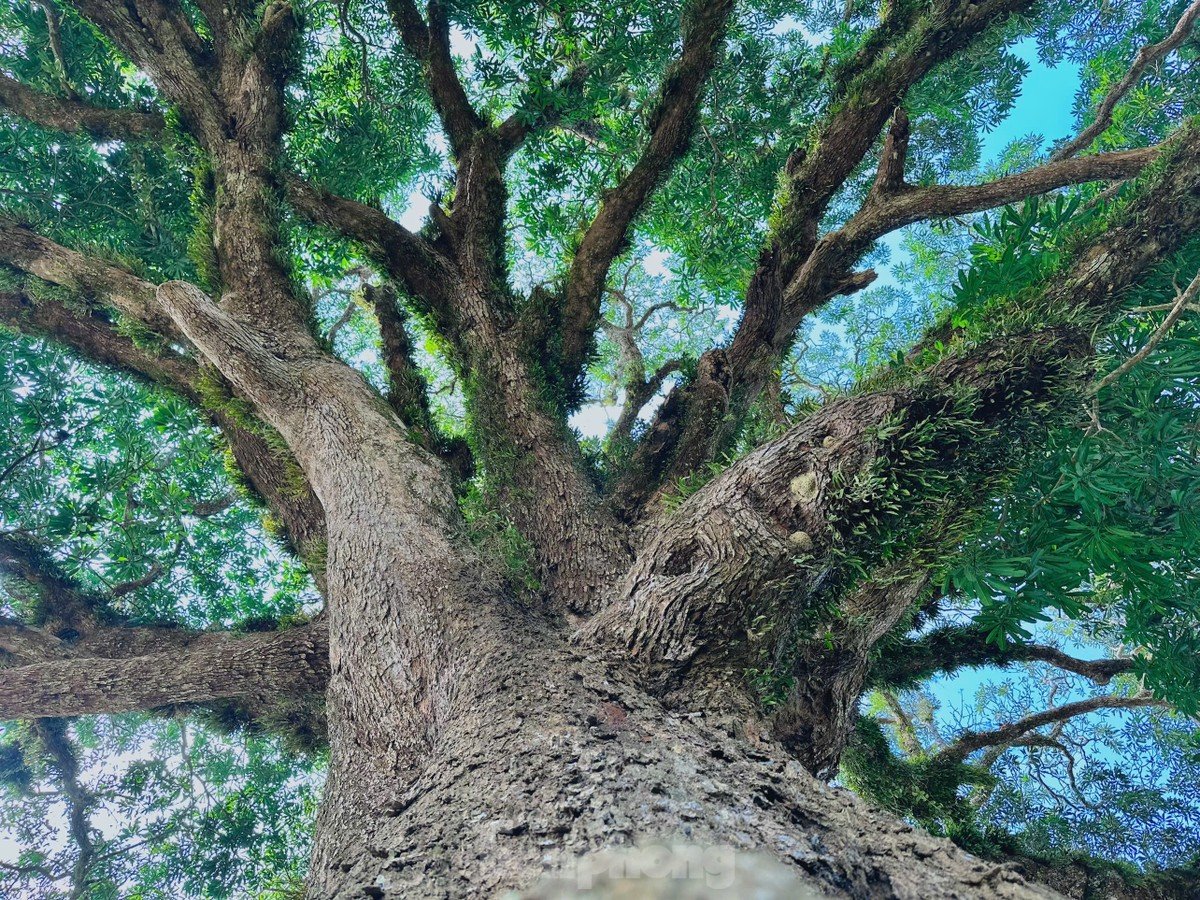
x=1044 y=107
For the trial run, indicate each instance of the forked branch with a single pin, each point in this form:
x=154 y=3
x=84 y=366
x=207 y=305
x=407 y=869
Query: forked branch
x=430 y=43
x=415 y=263
x=671 y=125
x=892 y=204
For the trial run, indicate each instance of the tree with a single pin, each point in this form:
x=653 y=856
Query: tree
x=526 y=647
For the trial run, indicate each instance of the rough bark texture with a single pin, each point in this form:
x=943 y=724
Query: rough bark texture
x=551 y=755
x=120 y=670
x=476 y=743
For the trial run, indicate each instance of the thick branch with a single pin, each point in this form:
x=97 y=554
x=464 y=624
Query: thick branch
x=26 y=250
x=408 y=392
x=76 y=117
x=671 y=125
x=272 y=475
x=906 y=731
x=849 y=132
x=413 y=262
x=430 y=43
x=157 y=36
x=95 y=338
x=65 y=608
x=890 y=176
x=24 y=644
x=216 y=666
x=911 y=661
x=74 y=628
x=637 y=395
x=1101 y=671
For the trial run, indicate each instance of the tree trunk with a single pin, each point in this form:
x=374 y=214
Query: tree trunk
x=551 y=755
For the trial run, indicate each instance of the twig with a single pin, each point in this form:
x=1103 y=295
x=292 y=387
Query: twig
x=1184 y=299
x=1145 y=57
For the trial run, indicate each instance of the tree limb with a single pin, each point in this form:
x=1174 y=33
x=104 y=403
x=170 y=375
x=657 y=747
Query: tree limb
x=24 y=249
x=54 y=36
x=94 y=337
x=76 y=117
x=430 y=43
x=1007 y=734
x=217 y=666
x=64 y=608
x=672 y=122
x=416 y=264
x=90 y=333
x=1186 y=298
x=894 y=204
x=759 y=532
x=700 y=419
x=25 y=644
x=52 y=733
x=513 y=131
x=1146 y=57
x=408 y=392
x=158 y=37
x=910 y=661
x=906 y=731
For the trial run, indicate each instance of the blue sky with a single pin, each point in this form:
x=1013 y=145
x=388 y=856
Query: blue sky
x=1045 y=108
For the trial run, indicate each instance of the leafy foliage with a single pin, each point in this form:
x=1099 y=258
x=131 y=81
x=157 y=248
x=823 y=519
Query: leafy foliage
x=130 y=493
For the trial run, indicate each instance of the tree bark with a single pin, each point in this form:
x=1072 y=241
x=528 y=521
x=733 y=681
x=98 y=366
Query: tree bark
x=475 y=745
x=124 y=669
x=551 y=756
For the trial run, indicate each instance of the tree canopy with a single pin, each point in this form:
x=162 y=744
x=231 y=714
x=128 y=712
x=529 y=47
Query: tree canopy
x=616 y=268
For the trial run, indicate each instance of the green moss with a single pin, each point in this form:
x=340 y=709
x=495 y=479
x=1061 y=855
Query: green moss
x=216 y=396
x=316 y=556
x=142 y=337
x=923 y=789
x=541 y=349
x=498 y=539
x=44 y=292
x=201 y=243
x=11 y=279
